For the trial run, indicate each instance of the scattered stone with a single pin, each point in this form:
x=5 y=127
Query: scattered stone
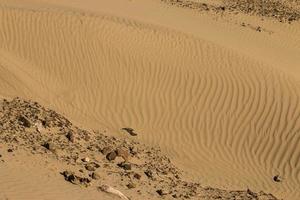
x=124 y=165
x=161 y=192
x=143 y=159
x=111 y=156
x=71 y=177
x=70 y=137
x=149 y=173
x=131 y=185
x=106 y=150
x=137 y=176
x=277 y=178
x=258 y=29
x=130 y=131
x=123 y=153
x=251 y=194
x=86 y=159
x=95 y=176
x=90 y=168
x=24 y=121
x=49 y=146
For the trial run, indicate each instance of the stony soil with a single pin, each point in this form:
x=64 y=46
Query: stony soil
x=28 y=126
x=283 y=11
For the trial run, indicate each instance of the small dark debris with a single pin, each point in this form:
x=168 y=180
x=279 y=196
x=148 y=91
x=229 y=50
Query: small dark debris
x=95 y=176
x=111 y=156
x=149 y=173
x=24 y=122
x=131 y=185
x=48 y=146
x=137 y=176
x=130 y=131
x=124 y=165
x=161 y=192
x=277 y=178
x=70 y=137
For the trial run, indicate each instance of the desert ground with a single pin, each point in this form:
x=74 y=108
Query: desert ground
x=208 y=92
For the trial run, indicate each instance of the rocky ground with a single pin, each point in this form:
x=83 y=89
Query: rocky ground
x=94 y=157
x=281 y=10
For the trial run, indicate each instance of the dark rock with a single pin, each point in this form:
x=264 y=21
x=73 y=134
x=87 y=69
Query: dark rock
x=149 y=173
x=258 y=29
x=131 y=185
x=161 y=192
x=111 y=156
x=137 y=176
x=252 y=194
x=124 y=165
x=70 y=137
x=222 y=8
x=24 y=121
x=90 y=168
x=49 y=146
x=277 y=178
x=71 y=177
x=10 y=150
x=106 y=150
x=130 y=131
x=95 y=176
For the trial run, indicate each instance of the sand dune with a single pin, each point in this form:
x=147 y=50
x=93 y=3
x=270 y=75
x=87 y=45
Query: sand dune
x=230 y=120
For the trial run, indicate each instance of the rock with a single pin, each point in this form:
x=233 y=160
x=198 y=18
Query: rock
x=161 y=192
x=111 y=190
x=131 y=185
x=111 y=156
x=90 y=168
x=130 y=131
x=106 y=150
x=124 y=165
x=39 y=127
x=70 y=137
x=71 y=177
x=86 y=159
x=95 y=176
x=251 y=194
x=24 y=121
x=133 y=150
x=10 y=150
x=49 y=146
x=258 y=29
x=123 y=153
x=137 y=176
x=149 y=173
x=277 y=178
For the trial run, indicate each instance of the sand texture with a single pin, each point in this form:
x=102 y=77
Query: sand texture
x=215 y=88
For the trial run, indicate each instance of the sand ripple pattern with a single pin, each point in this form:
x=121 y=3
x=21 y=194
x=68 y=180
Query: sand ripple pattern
x=232 y=120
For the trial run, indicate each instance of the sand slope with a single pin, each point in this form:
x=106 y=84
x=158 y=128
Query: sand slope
x=230 y=120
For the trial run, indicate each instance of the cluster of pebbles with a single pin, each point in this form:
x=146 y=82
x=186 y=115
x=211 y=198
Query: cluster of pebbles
x=97 y=157
x=283 y=11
